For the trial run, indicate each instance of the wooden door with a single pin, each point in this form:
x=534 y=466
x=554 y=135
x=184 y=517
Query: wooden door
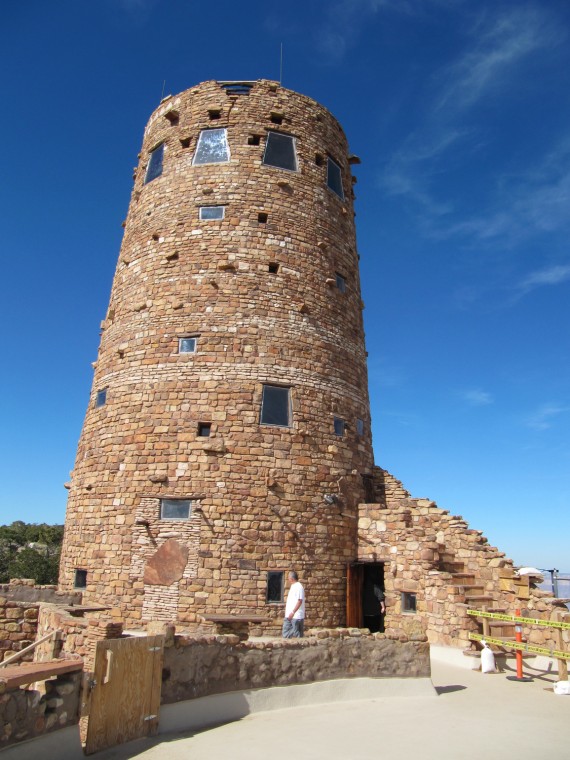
x=354 y=580
x=125 y=691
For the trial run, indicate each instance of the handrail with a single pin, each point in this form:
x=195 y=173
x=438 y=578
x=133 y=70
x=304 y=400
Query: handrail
x=17 y=655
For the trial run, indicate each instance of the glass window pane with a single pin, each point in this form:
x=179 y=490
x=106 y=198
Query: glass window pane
x=338 y=426
x=187 y=345
x=360 y=427
x=174 y=509
x=204 y=429
x=275 y=586
x=340 y=283
x=212 y=212
x=275 y=406
x=334 y=178
x=101 y=398
x=212 y=147
x=154 y=168
x=280 y=151
x=80 y=579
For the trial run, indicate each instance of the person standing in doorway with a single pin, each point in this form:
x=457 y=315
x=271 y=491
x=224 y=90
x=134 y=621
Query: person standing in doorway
x=373 y=604
x=294 y=623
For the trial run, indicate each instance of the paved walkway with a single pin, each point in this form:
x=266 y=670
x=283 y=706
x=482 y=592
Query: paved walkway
x=474 y=716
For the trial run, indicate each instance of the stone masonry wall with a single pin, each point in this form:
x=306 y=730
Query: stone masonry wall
x=449 y=566
x=199 y=666
x=259 y=290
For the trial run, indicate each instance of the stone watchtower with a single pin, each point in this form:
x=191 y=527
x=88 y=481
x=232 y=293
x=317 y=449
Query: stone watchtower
x=227 y=437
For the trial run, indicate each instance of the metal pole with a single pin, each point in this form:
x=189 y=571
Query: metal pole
x=518 y=637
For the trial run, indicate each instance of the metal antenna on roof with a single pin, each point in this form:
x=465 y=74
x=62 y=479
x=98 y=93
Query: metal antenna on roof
x=281 y=66
x=163 y=86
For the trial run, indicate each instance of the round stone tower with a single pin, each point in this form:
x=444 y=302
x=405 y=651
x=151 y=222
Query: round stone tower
x=227 y=438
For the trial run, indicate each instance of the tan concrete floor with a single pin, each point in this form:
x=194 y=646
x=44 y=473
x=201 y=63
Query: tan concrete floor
x=474 y=716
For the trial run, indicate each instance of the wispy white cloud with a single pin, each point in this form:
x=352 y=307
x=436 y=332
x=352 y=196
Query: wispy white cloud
x=477 y=397
x=554 y=275
x=545 y=416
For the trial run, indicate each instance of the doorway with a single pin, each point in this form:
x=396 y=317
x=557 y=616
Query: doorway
x=364 y=590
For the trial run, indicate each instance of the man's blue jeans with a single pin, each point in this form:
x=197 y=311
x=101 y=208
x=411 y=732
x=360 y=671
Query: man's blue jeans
x=293 y=629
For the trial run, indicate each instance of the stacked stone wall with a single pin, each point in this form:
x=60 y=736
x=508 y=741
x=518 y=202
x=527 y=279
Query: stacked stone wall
x=18 y=627
x=258 y=289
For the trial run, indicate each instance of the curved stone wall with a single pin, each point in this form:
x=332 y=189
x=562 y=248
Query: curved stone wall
x=271 y=294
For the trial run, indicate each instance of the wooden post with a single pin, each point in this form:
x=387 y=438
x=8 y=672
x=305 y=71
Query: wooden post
x=562 y=664
x=518 y=637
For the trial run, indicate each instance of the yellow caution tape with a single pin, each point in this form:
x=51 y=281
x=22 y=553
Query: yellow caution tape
x=520 y=645
x=515 y=619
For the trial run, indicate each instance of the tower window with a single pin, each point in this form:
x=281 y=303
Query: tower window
x=262 y=217
x=254 y=139
x=340 y=283
x=175 y=509
x=187 y=345
x=215 y=113
x=334 y=178
x=212 y=147
x=204 y=429
x=80 y=579
x=273 y=267
x=154 y=168
x=276 y=118
x=409 y=602
x=280 y=151
x=339 y=426
x=101 y=397
x=276 y=406
x=208 y=213
x=275 y=580
x=359 y=426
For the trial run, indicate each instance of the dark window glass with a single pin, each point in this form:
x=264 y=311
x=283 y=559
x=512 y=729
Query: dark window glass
x=338 y=426
x=275 y=586
x=280 y=151
x=175 y=509
x=101 y=398
x=80 y=579
x=187 y=345
x=276 y=406
x=212 y=147
x=154 y=168
x=359 y=427
x=204 y=429
x=408 y=602
x=334 y=178
x=340 y=283
x=212 y=212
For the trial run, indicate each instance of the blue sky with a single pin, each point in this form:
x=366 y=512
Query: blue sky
x=460 y=112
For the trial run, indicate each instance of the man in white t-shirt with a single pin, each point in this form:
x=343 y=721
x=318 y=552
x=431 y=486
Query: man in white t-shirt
x=294 y=623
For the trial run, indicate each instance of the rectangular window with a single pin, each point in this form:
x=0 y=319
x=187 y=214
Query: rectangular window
x=273 y=267
x=154 y=168
x=175 y=509
x=212 y=212
x=359 y=426
x=80 y=579
x=334 y=178
x=340 y=283
x=212 y=147
x=101 y=397
x=187 y=345
x=276 y=406
x=339 y=426
x=408 y=602
x=275 y=586
x=204 y=429
x=280 y=151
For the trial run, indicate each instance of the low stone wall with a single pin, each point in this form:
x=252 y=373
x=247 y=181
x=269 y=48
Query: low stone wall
x=18 y=627
x=25 y=590
x=27 y=713
x=200 y=666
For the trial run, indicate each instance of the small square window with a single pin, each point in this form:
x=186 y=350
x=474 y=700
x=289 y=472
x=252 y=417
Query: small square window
x=212 y=147
x=276 y=118
x=273 y=267
x=276 y=406
x=340 y=283
x=275 y=586
x=254 y=140
x=339 y=426
x=215 y=113
x=212 y=212
x=280 y=151
x=187 y=345
x=408 y=602
x=262 y=217
x=334 y=178
x=204 y=429
x=101 y=397
x=175 y=509
x=359 y=426
x=154 y=168
x=80 y=579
